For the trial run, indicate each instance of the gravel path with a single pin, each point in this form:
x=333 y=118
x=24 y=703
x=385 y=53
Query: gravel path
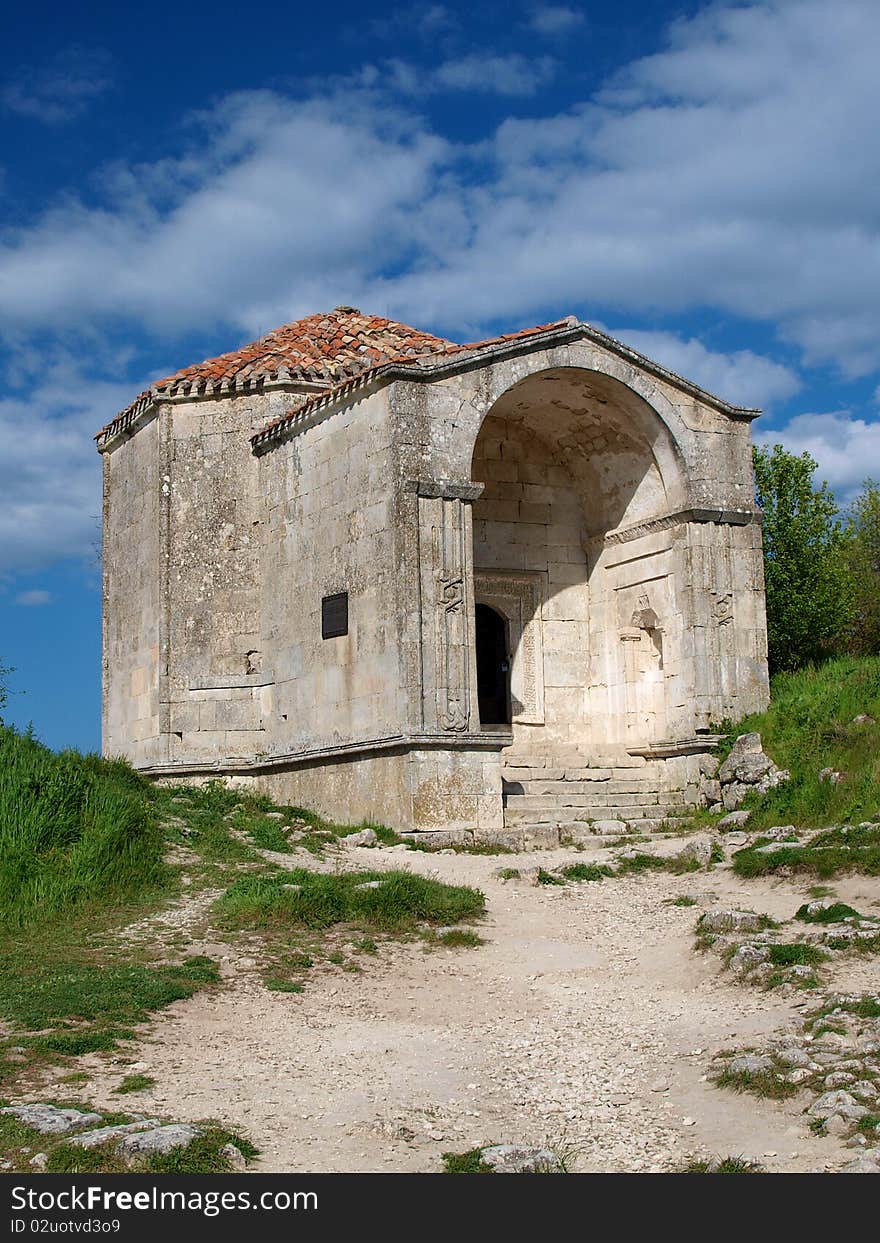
x=586 y=1023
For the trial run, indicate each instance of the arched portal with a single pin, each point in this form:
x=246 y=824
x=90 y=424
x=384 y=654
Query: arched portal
x=493 y=666
x=568 y=457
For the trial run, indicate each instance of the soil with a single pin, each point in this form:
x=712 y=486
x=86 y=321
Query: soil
x=585 y=1023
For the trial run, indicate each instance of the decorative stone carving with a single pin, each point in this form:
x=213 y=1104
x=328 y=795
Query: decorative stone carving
x=450 y=545
x=722 y=608
x=644 y=617
x=450 y=591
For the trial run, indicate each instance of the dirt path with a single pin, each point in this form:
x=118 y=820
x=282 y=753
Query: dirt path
x=586 y=1022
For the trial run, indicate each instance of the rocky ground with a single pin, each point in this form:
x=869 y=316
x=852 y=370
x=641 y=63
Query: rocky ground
x=587 y=1024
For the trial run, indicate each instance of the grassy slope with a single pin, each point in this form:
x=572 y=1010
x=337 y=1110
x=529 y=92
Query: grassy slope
x=72 y=827
x=810 y=725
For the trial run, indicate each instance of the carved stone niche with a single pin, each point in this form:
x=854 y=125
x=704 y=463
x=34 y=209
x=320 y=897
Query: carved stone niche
x=518 y=595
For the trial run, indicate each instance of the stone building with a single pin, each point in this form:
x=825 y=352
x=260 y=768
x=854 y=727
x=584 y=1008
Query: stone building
x=502 y=586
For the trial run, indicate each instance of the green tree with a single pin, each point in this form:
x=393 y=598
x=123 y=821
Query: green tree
x=863 y=559
x=809 y=595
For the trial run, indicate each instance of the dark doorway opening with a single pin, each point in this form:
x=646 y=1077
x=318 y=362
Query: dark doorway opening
x=493 y=666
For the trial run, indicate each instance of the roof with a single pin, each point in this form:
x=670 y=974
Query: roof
x=323 y=348
x=277 y=428
x=320 y=350
x=330 y=355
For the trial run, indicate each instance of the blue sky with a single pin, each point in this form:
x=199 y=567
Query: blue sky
x=702 y=180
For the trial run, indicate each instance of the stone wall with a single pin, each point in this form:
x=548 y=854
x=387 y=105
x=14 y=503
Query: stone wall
x=132 y=568
x=626 y=527
x=330 y=529
x=217 y=690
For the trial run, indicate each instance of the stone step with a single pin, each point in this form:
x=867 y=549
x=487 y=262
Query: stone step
x=563 y=757
x=598 y=789
x=537 y=802
x=581 y=815
x=594 y=775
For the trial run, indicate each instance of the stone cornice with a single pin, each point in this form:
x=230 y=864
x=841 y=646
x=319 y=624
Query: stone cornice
x=445 y=488
x=722 y=517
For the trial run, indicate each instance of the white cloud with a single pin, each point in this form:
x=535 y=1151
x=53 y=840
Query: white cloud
x=741 y=377
x=476 y=74
x=847 y=449
x=33 y=598
x=737 y=169
x=554 y=19
x=49 y=470
x=62 y=89
x=495 y=75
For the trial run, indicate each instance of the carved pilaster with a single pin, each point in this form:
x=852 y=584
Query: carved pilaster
x=446 y=557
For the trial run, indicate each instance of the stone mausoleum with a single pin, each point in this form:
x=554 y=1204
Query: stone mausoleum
x=502 y=588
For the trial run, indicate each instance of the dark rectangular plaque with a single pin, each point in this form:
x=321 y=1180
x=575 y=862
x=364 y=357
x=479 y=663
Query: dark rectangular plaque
x=334 y=615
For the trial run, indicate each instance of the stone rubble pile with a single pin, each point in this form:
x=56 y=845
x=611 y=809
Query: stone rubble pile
x=750 y=956
x=834 y=1061
x=143 y=1137
x=747 y=768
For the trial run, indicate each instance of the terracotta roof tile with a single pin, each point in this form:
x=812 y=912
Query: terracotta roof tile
x=328 y=350
x=320 y=349
x=277 y=426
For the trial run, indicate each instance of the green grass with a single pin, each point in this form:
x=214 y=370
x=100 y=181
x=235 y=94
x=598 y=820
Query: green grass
x=825 y=855
x=810 y=726
x=683 y=900
x=201 y=1155
x=549 y=878
x=460 y=938
x=71 y=826
x=795 y=953
x=762 y=1083
x=465 y=848
x=267 y=835
x=82 y=1007
x=135 y=1083
x=386 y=836
x=50 y=993
x=276 y=984
x=508 y=873
x=861 y=1007
x=727 y=1165
x=466 y=1162
x=645 y=863
x=587 y=871
x=399 y=902
x=828 y=915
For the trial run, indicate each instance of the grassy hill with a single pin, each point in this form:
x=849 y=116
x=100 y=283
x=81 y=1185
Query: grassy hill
x=827 y=717
x=73 y=829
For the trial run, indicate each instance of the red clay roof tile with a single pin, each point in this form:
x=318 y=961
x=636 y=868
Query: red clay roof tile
x=325 y=350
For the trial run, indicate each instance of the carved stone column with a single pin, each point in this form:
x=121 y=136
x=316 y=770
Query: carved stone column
x=449 y=693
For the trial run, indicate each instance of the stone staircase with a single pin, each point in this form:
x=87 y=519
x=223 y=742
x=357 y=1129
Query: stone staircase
x=568 y=790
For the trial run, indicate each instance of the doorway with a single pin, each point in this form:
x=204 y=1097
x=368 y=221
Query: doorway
x=493 y=666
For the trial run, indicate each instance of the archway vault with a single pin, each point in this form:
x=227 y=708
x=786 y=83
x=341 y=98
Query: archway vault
x=622 y=457
x=566 y=455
